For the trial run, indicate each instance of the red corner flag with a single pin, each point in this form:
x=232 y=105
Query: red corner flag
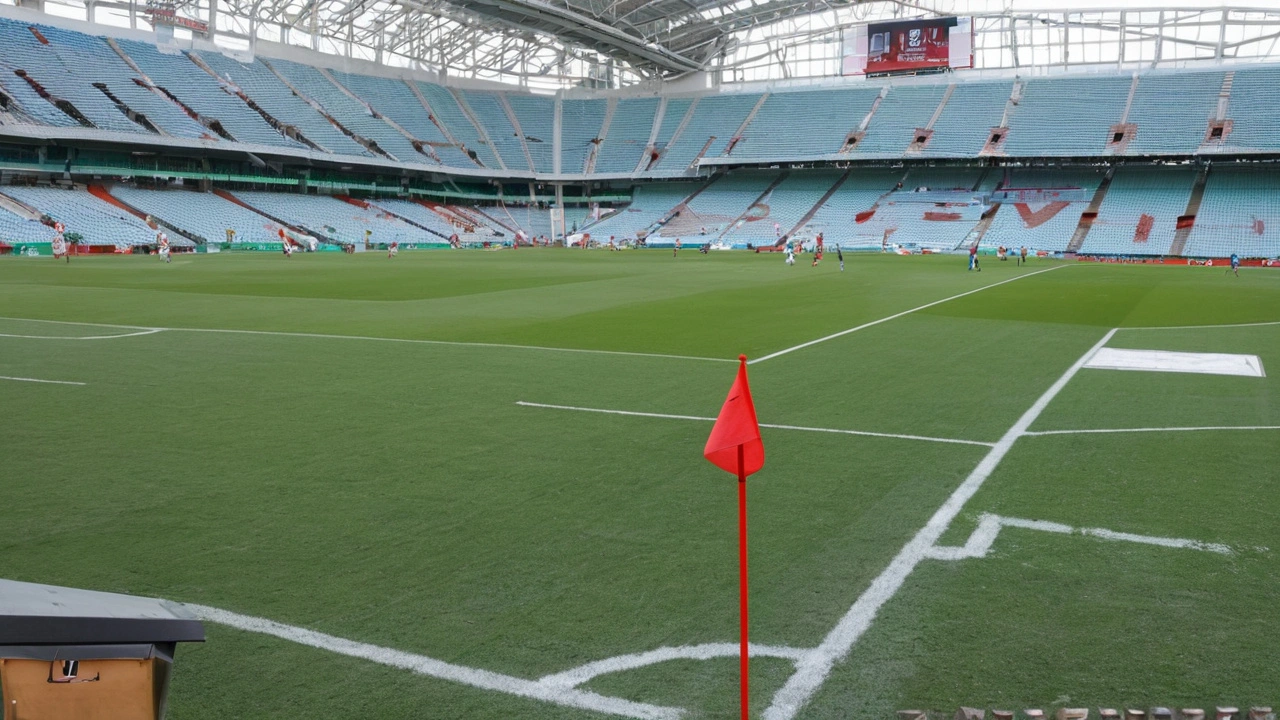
x=735 y=446
x=736 y=426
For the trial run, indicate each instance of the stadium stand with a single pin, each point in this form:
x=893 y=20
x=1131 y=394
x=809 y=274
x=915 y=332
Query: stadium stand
x=781 y=207
x=827 y=123
x=488 y=111
x=650 y=204
x=445 y=106
x=395 y=100
x=1172 y=111
x=331 y=219
x=1140 y=212
x=536 y=117
x=204 y=215
x=96 y=222
x=1067 y=116
x=1239 y=214
x=1040 y=209
x=1252 y=110
x=628 y=135
x=899 y=114
x=961 y=129
x=714 y=122
x=581 y=122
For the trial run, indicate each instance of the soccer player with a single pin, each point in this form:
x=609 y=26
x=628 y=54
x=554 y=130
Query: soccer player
x=393 y=249
x=791 y=255
x=59 y=244
x=1235 y=264
x=973 y=258
x=840 y=257
x=162 y=241
x=1024 y=255
x=676 y=251
x=286 y=247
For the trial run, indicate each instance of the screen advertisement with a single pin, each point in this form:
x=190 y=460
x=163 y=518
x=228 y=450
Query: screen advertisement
x=909 y=46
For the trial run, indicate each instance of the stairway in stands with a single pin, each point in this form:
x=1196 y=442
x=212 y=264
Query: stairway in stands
x=1090 y=214
x=1187 y=222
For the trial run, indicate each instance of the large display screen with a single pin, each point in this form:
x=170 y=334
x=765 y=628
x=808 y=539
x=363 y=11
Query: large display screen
x=909 y=46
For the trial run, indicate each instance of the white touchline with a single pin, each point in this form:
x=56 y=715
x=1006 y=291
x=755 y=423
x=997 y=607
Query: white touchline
x=152 y=331
x=1207 y=428
x=558 y=694
x=812 y=671
x=37 y=380
x=980 y=542
x=763 y=425
x=327 y=336
x=864 y=326
x=1204 y=327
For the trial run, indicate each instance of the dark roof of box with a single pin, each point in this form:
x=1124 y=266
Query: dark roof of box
x=33 y=614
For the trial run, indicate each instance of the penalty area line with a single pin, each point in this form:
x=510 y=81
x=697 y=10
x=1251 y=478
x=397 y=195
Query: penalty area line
x=1207 y=428
x=152 y=331
x=801 y=428
x=864 y=326
x=813 y=669
x=37 y=380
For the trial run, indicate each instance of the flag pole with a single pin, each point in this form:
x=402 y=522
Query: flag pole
x=742 y=574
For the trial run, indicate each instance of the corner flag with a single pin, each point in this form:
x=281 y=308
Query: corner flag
x=735 y=446
x=736 y=426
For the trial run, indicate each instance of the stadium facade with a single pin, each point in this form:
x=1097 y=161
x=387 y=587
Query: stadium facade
x=1170 y=154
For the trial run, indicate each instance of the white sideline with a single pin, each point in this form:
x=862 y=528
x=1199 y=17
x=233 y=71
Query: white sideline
x=812 y=671
x=864 y=326
x=1204 y=327
x=1206 y=428
x=37 y=380
x=980 y=542
x=152 y=331
x=327 y=336
x=484 y=679
x=709 y=651
x=763 y=425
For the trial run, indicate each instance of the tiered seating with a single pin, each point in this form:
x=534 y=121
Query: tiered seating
x=717 y=116
x=935 y=208
x=97 y=222
x=1172 y=111
x=196 y=89
x=1255 y=109
x=334 y=218
x=837 y=218
x=95 y=62
x=419 y=214
x=203 y=214
x=32 y=104
x=42 y=62
x=1140 y=201
x=580 y=122
x=649 y=205
x=628 y=135
x=395 y=100
x=489 y=112
x=451 y=116
x=273 y=96
x=828 y=120
x=720 y=205
x=536 y=115
x=1239 y=214
x=1067 y=116
x=1046 y=210
x=973 y=109
x=903 y=110
x=352 y=114
x=677 y=108
x=16 y=230
x=782 y=208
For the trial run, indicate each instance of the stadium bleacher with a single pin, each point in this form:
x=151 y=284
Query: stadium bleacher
x=95 y=221
x=1238 y=214
x=1139 y=215
x=628 y=135
x=205 y=215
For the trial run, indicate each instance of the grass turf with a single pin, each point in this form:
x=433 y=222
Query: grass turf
x=393 y=493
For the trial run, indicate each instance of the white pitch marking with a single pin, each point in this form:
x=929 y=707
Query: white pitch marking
x=1207 y=428
x=484 y=679
x=1177 y=362
x=763 y=425
x=36 y=380
x=980 y=542
x=813 y=669
x=864 y=326
x=1205 y=327
x=326 y=336
x=152 y=331
x=709 y=651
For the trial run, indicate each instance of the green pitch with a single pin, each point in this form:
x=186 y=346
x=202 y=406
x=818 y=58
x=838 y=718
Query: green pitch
x=394 y=493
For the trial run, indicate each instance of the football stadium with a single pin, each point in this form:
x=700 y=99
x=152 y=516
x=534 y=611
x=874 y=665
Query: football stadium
x=364 y=359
